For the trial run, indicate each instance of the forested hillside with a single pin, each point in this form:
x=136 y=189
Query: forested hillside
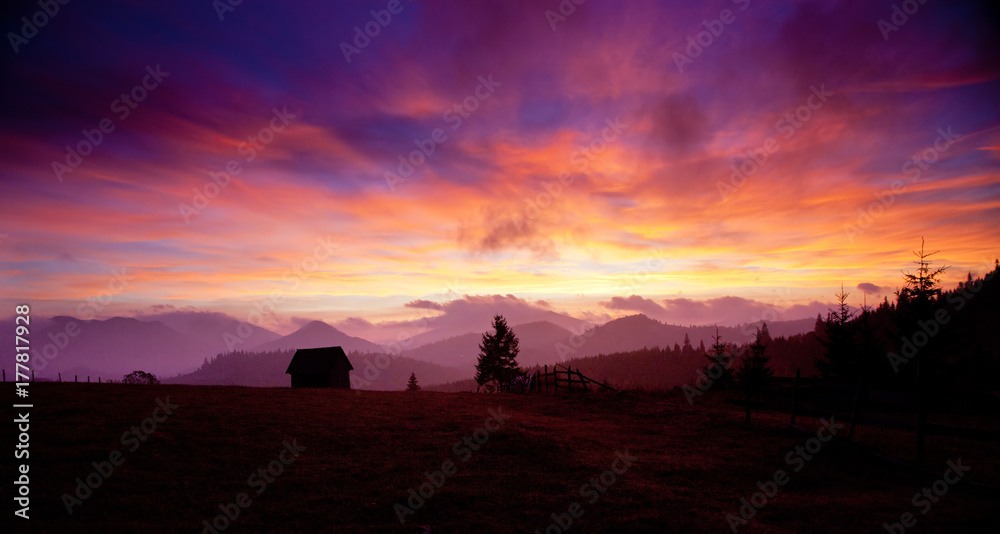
x=267 y=369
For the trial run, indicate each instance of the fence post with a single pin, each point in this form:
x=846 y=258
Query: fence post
x=76 y=378
x=795 y=391
x=60 y=377
x=32 y=375
x=546 y=379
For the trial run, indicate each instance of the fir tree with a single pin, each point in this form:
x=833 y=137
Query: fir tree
x=755 y=373
x=921 y=288
x=721 y=358
x=686 y=348
x=765 y=335
x=498 y=355
x=412 y=384
x=820 y=327
x=840 y=359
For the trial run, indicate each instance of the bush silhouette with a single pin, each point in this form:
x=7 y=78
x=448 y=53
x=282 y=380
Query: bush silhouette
x=140 y=377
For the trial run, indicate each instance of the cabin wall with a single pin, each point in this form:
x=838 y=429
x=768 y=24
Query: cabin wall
x=338 y=379
x=341 y=379
x=312 y=380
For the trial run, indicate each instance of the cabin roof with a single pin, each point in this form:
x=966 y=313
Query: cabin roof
x=317 y=360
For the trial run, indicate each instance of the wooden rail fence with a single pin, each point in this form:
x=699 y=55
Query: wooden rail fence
x=565 y=378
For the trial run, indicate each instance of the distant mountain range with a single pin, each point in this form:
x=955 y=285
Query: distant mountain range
x=476 y=321
x=638 y=331
x=536 y=341
x=112 y=347
x=542 y=342
x=180 y=343
x=316 y=334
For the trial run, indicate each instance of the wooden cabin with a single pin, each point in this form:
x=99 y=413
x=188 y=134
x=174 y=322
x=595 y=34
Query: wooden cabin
x=324 y=367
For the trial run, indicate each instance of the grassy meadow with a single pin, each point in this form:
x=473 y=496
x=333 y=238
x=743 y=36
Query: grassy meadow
x=360 y=453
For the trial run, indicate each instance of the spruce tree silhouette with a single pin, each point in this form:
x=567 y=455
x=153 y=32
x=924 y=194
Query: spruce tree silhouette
x=721 y=359
x=839 y=340
x=755 y=373
x=916 y=303
x=411 y=384
x=497 y=356
x=921 y=288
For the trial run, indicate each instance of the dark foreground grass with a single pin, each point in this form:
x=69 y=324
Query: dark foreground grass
x=362 y=452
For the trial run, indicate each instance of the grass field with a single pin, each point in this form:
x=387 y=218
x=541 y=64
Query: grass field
x=360 y=453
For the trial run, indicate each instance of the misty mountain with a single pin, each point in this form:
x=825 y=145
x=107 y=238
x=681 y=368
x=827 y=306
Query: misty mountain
x=462 y=317
x=638 y=331
x=110 y=348
x=543 y=342
x=317 y=334
x=208 y=330
x=536 y=340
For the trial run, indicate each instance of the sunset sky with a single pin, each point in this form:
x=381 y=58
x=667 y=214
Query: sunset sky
x=648 y=216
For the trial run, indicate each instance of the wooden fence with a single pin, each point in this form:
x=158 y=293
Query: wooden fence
x=565 y=378
x=76 y=378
